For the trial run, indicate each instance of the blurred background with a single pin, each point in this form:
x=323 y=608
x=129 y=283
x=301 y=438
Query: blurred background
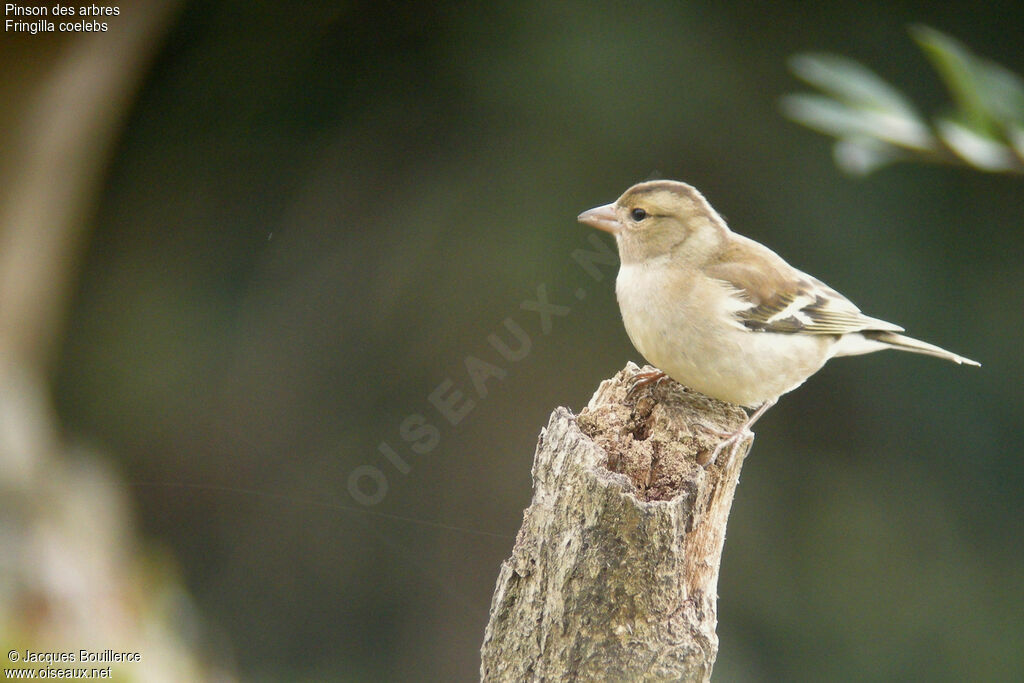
x=252 y=253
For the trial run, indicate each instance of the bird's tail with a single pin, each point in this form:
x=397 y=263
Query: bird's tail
x=905 y=343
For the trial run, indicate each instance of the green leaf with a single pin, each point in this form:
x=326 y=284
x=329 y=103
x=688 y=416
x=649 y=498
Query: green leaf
x=978 y=150
x=829 y=116
x=863 y=156
x=875 y=124
x=956 y=66
x=850 y=81
x=1016 y=135
x=1003 y=92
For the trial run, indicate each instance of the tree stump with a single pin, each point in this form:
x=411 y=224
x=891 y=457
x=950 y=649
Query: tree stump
x=614 y=571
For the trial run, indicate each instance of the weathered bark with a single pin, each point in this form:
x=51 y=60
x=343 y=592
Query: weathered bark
x=614 y=572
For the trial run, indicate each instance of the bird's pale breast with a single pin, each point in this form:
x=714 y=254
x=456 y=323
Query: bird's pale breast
x=685 y=327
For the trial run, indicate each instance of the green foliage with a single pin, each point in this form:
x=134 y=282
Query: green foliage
x=875 y=124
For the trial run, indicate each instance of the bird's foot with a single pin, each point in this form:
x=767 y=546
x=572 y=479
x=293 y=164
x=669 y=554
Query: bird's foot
x=644 y=379
x=733 y=440
x=730 y=440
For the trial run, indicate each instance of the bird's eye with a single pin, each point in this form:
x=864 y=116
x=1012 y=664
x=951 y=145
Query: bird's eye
x=638 y=214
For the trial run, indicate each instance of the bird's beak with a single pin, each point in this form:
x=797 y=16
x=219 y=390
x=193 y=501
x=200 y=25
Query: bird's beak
x=602 y=218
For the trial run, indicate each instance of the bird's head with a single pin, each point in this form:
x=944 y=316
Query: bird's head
x=660 y=219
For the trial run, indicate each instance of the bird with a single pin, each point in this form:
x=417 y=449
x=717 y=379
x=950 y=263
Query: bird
x=723 y=314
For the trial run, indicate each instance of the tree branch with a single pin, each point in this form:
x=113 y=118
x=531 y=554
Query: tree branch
x=614 y=572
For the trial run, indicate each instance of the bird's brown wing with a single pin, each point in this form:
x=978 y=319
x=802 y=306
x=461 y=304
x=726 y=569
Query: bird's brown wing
x=784 y=300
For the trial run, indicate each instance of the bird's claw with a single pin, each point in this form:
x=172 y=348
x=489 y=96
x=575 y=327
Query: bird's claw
x=731 y=441
x=643 y=379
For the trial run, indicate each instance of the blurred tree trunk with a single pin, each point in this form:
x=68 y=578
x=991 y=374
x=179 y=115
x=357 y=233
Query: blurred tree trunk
x=614 y=571
x=77 y=574
x=59 y=140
